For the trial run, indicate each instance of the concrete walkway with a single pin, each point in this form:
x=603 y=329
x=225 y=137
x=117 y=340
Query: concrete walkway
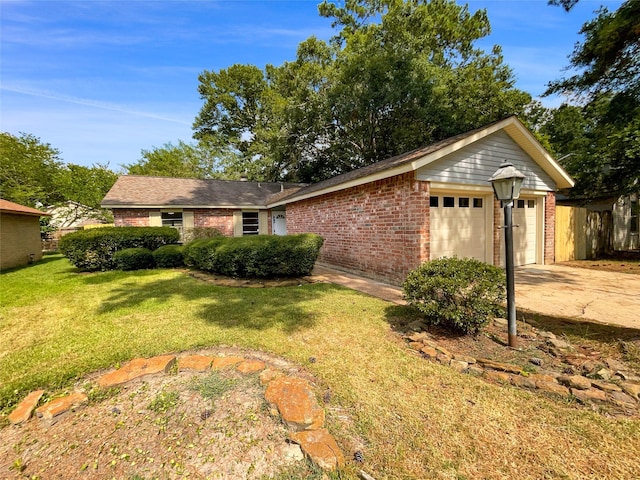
x=592 y=295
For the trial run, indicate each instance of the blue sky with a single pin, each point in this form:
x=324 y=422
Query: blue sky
x=102 y=80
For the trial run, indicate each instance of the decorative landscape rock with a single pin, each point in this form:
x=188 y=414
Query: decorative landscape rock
x=575 y=382
x=138 y=368
x=293 y=397
x=199 y=363
x=23 y=411
x=321 y=447
x=296 y=403
x=597 y=388
x=57 y=407
x=223 y=362
x=503 y=367
x=250 y=366
x=589 y=395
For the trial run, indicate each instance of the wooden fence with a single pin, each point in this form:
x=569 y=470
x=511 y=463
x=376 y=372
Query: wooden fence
x=582 y=234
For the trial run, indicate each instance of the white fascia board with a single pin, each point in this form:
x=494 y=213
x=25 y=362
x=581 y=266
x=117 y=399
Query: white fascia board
x=533 y=147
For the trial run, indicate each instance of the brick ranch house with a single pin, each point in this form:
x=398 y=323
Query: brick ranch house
x=381 y=220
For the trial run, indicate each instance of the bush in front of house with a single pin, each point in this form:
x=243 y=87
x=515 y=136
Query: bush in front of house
x=259 y=256
x=462 y=294
x=94 y=249
x=169 y=256
x=133 y=259
x=199 y=233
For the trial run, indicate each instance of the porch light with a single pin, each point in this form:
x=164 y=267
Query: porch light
x=507 y=182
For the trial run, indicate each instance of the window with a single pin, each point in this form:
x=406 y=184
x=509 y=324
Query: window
x=531 y=204
x=433 y=201
x=448 y=202
x=172 y=219
x=463 y=202
x=477 y=203
x=633 y=226
x=250 y=223
x=520 y=204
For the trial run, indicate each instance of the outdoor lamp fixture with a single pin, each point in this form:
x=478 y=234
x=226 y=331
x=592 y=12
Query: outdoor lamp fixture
x=506 y=183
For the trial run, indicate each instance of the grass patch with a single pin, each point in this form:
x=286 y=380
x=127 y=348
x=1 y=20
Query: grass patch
x=213 y=385
x=164 y=401
x=411 y=418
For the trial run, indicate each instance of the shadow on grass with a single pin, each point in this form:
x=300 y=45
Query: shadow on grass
x=44 y=260
x=227 y=307
x=579 y=328
x=400 y=317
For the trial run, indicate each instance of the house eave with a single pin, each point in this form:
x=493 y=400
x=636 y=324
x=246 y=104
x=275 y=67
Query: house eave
x=182 y=206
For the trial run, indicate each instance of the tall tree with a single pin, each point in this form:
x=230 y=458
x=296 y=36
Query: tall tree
x=600 y=138
x=28 y=170
x=182 y=160
x=609 y=57
x=398 y=75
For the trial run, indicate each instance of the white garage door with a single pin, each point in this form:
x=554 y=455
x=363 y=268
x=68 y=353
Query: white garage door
x=458 y=226
x=525 y=235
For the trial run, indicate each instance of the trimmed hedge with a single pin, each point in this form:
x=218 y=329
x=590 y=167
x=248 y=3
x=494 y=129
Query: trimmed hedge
x=169 y=256
x=93 y=249
x=462 y=294
x=256 y=256
x=133 y=259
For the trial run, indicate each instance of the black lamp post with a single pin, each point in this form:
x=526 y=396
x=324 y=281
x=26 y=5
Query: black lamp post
x=506 y=183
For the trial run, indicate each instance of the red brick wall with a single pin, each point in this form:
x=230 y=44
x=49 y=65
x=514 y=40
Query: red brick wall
x=130 y=217
x=550 y=228
x=380 y=229
x=220 y=218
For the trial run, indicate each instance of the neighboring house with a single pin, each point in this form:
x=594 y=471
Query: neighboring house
x=384 y=219
x=70 y=217
x=73 y=216
x=20 y=241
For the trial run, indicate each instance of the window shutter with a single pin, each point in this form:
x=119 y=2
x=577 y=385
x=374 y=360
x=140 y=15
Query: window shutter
x=188 y=220
x=237 y=223
x=263 y=222
x=155 y=219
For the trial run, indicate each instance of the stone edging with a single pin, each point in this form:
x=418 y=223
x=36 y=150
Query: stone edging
x=292 y=396
x=624 y=394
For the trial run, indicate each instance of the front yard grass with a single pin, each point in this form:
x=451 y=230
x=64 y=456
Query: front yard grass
x=410 y=418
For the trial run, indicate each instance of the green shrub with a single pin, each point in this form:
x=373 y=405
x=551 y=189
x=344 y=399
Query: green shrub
x=93 y=249
x=169 y=256
x=256 y=256
x=199 y=233
x=459 y=293
x=133 y=259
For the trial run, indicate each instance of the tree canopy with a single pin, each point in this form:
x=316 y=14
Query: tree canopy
x=398 y=75
x=32 y=174
x=598 y=137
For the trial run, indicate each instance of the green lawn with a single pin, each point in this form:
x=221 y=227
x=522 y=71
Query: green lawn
x=411 y=418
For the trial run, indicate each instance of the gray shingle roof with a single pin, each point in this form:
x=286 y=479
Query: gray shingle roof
x=138 y=191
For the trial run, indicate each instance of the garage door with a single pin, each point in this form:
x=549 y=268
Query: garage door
x=458 y=226
x=525 y=235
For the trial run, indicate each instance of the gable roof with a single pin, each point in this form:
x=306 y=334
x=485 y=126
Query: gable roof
x=420 y=157
x=10 y=207
x=133 y=191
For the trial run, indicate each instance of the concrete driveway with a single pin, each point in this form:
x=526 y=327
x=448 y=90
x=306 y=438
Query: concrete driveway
x=586 y=294
x=555 y=290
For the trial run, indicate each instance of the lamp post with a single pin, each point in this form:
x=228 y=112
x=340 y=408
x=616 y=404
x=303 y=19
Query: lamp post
x=506 y=182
